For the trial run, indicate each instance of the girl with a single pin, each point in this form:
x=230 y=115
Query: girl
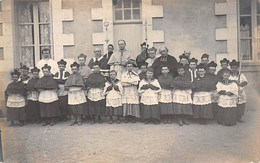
x=214 y=94
x=149 y=89
x=241 y=82
x=113 y=91
x=182 y=96
x=96 y=83
x=48 y=98
x=130 y=98
x=33 y=107
x=165 y=96
x=228 y=92
x=76 y=96
x=202 y=108
x=15 y=96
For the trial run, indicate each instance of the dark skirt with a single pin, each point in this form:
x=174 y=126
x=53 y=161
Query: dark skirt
x=78 y=109
x=96 y=108
x=131 y=110
x=202 y=111
x=227 y=116
x=240 y=110
x=63 y=105
x=32 y=111
x=182 y=109
x=117 y=111
x=166 y=108
x=151 y=111
x=215 y=110
x=16 y=114
x=49 y=110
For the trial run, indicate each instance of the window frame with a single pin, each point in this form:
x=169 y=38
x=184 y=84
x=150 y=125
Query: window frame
x=36 y=35
x=130 y=21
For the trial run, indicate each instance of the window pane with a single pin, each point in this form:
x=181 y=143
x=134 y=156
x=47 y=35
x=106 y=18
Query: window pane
x=44 y=15
x=0 y=5
x=45 y=34
x=245 y=7
x=26 y=35
x=27 y=56
x=127 y=3
x=246 y=49
x=2 y=54
x=245 y=26
x=136 y=13
x=25 y=13
x=127 y=14
x=118 y=15
x=258 y=6
x=136 y=4
x=119 y=4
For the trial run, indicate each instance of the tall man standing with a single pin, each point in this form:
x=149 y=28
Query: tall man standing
x=165 y=60
x=119 y=58
x=46 y=59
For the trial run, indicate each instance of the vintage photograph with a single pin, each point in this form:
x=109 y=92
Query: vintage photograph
x=142 y=81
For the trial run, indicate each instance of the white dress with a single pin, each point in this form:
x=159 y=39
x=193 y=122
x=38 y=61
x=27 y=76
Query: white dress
x=113 y=97
x=182 y=96
x=149 y=96
x=48 y=96
x=165 y=96
x=241 y=90
x=76 y=96
x=226 y=101
x=96 y=94
x=202 y=98
x=15 y=101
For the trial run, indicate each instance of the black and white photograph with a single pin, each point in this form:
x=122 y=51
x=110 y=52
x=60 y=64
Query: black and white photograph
x=142 y=81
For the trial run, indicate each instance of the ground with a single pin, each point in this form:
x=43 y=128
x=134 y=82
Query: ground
x=134 y=142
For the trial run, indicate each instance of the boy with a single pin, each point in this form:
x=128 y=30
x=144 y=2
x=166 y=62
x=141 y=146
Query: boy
x=182 y=96
x=76 y=96
x=96 y=99
x=24 y=77
x=184 y=60
x=113 y=91
x=143 y=67
x=192 y=71
x=205 y=59
x=152 y=56
x=149 y=89
x=130 y=98
x=60 y=77
x=224 y=66
x=15 y=100
x=165 y=96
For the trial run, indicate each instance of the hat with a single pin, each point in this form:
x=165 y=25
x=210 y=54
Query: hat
x=144 y=44
x=46 y=66
x=183 y=56
x=35 y=69
x=201 y=66
x=24 y=68
x=131 y=61
x=82 y=56
x=224 y=60
x=212 y=64
x=143 y=64
x=205 y=56
x=62 y=62
x=194 y=60
x=74 y=64
x=149 y=69
x=179 y=65
x=152 y=49
x=15 y=72
x=234 y=63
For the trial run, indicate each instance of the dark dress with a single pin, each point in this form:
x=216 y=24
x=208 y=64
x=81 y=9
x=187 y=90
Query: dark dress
x=141 y=58
x=33 y=107
x=15 y=113
x=168 y=61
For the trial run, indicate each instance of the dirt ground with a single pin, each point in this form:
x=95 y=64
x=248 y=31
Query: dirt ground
x=134 y=142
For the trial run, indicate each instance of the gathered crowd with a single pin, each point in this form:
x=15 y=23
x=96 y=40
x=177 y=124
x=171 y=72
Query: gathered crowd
x=127 y=87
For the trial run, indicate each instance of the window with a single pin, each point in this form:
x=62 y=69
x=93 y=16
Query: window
x=0 y=5
x=33 y=31
x=127 y=10
x=250 y=29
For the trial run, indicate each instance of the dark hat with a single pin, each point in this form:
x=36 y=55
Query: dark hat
x=24 y=68
x=183 y=56
x=62 y=62
x=234 y=63
x=179 y=65
x=74 y=64
x=131 y=61
x=82 y=56
x=224 y=60
x=15 y=72
x=201 y=66
x=152 y=49
x=46 y=66
x=212 y=64
x=144 y=44
x=194 y=60
x=205 y=56
x=35 y=69
x=150 y=69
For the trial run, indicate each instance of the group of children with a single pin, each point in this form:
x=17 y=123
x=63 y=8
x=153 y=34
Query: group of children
x=197 y=92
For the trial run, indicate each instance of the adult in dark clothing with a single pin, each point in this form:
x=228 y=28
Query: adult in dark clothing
x=141 y=58
x=165 y=60
x=98 y=58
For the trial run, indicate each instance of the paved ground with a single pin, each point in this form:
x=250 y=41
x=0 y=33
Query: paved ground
x=134 y=142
